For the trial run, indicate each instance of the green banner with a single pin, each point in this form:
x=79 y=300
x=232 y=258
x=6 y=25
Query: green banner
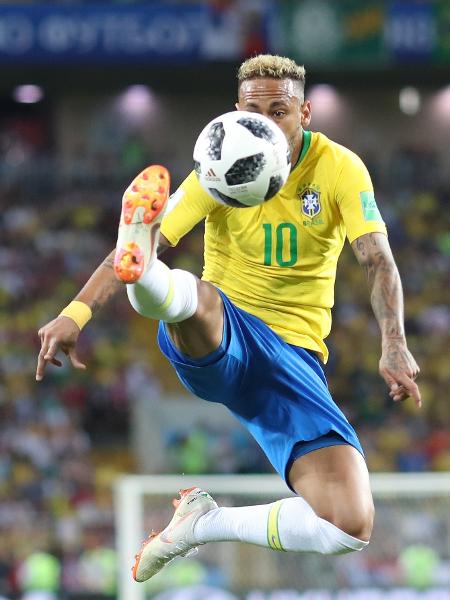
x=353 y=33
x=443 y=32
x=320 y=32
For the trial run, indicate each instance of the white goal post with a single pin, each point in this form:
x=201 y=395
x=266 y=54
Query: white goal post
x=130 y=491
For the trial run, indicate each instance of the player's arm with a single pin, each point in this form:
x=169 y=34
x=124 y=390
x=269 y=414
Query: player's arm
x=397 y=365
x=62 y=333
x=187 y=207
x=103 y=284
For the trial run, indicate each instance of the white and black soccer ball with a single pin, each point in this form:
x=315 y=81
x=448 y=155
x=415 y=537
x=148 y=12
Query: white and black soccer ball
x=242 y=158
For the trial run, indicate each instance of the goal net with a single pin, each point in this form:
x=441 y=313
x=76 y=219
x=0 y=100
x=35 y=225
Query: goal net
x=408 y=557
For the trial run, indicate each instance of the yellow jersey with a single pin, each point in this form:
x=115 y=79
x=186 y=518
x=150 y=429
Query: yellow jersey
x=278 y=260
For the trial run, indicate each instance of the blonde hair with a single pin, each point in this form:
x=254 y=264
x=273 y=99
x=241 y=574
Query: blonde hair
x=273 y=66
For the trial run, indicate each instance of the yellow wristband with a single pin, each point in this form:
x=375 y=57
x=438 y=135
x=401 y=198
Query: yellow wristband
x=78 y=312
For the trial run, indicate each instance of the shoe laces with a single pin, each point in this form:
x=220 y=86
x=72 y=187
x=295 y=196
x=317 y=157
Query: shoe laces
x=182 y=493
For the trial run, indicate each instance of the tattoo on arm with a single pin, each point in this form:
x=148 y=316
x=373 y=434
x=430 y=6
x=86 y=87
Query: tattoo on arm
x=108 y=262
x=103 y=285
x=374 y=254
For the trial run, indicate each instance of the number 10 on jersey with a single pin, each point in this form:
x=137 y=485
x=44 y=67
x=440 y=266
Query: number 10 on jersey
x=283 y=238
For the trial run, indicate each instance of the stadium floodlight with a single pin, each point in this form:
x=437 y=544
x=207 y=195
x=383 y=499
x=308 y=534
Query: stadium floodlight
x=328 y=104
x=136 y=103
x=409 y=100
x=440 y=104
x=28 y=93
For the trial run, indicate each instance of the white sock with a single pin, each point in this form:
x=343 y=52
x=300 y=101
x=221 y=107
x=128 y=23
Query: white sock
x=289 y=524
x=164 y=294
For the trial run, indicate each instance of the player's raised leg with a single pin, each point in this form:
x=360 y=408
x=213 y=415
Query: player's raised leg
x=336 y=521
x=192 y=308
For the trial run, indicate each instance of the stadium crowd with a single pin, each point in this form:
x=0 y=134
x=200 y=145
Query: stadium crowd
x=64 y=440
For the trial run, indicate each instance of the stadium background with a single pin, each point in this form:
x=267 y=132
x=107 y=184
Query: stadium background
x=90 y=93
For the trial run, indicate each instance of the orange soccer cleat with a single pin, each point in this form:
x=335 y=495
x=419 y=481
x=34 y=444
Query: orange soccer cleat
x=143 y=206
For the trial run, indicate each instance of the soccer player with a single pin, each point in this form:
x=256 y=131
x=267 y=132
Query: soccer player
x=251 y=333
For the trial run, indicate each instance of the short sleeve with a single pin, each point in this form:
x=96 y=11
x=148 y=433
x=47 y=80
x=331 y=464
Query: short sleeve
x=187 y=207
x=356 y=199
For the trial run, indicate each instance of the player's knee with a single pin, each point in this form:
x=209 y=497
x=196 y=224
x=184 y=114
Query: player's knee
x=356 y=520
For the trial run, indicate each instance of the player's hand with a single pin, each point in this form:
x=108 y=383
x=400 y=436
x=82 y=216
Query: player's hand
x=399 y=370
x=60 y=334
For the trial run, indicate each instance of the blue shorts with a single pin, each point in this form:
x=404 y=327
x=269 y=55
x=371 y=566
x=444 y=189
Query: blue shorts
x=278 y=391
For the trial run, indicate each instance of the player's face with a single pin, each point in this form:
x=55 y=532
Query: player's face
x=277 y=99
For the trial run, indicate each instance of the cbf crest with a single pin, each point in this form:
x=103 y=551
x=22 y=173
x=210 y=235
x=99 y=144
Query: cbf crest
x=310 y=202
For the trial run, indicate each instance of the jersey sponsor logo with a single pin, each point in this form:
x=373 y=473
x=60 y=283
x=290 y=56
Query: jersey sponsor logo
x=310 y=202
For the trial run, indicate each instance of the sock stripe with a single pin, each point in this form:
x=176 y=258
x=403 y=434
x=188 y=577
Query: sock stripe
x=273 y=536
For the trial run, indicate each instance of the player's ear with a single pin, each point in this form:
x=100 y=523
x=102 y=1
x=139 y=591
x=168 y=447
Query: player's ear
x=305 y=110
x=236 y=105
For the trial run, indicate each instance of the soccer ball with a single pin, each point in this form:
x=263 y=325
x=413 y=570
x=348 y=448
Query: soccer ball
x=242 y=158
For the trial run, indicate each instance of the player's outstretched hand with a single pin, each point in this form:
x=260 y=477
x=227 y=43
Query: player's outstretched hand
x=399 y=370
x=60 y=334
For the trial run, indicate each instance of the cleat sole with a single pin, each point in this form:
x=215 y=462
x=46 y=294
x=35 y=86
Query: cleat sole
x=142 y=204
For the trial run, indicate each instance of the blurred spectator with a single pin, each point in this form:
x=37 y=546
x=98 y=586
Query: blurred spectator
x=39 y=576
x=97 y=565
x=419 y=564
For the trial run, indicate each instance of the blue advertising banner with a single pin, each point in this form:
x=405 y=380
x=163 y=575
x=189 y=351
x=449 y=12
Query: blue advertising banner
x=104 y=33
x=411 y=30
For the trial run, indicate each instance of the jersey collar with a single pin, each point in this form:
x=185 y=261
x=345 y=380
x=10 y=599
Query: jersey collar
x=305 y=147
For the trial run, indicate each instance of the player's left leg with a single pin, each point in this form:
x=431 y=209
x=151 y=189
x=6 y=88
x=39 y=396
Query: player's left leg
x=335 y=482
x=334 y=516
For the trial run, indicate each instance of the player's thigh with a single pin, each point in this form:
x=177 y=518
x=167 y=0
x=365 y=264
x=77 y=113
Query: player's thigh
x=335 y=482
x=201 y=334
